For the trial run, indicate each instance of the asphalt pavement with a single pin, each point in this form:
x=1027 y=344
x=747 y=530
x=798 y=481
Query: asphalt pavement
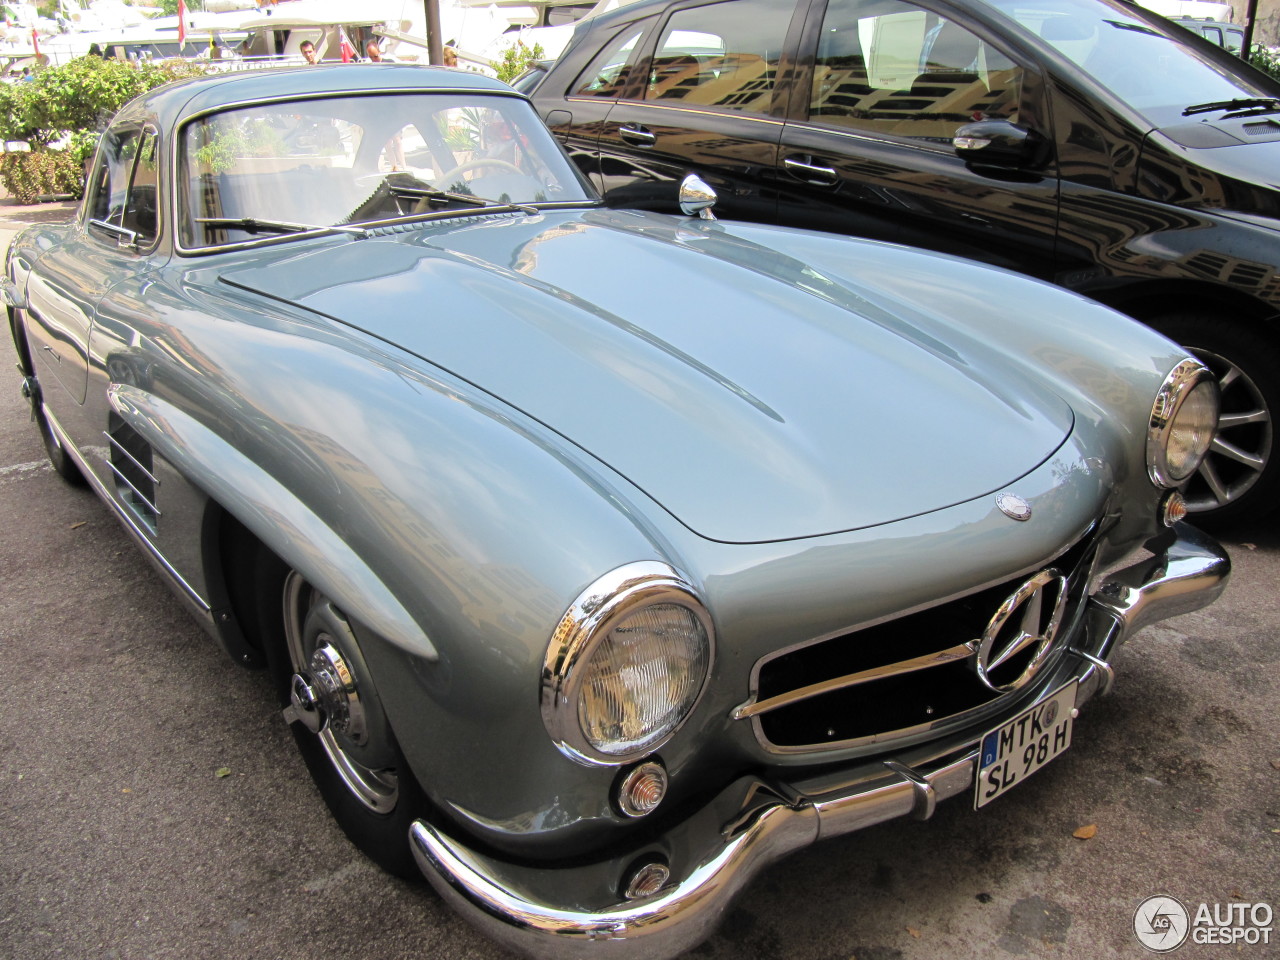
x=152 y=806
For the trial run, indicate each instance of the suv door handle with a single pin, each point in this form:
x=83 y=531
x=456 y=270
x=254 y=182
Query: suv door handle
x=637 y=136
x=803 y=168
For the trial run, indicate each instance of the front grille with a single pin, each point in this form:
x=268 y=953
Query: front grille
x=890 y=708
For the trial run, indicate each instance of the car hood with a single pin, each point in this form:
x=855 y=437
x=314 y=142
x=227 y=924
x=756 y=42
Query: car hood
x=752 y=397
x=1232 y=165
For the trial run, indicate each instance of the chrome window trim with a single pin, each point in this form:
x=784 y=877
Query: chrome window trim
x=1177 y=386
x=176 y=201
x=870 y=137
x=127 y=239
x=703 y=111
x=580 y=632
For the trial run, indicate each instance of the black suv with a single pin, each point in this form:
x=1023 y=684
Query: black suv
x=1090 y=143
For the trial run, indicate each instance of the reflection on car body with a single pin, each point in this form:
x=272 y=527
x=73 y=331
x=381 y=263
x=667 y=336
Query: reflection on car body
x=1054 y=138
x=599 y=557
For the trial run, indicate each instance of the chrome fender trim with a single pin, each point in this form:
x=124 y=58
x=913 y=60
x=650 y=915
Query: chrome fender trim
x=545 y=912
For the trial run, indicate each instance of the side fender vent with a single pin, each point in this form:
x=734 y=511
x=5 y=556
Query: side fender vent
x=131 y=462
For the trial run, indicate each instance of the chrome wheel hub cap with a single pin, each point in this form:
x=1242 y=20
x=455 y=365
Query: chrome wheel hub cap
x=327 y=698
x=324 y=695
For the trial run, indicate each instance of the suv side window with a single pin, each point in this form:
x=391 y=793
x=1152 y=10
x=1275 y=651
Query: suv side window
x=721 y=55
x=125 y=186
x=607 y=75
x=893 y=67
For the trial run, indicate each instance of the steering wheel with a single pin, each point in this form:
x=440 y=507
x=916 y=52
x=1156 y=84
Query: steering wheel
x=473 y=164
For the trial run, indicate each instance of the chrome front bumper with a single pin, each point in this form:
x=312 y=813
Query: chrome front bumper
x=561 y=912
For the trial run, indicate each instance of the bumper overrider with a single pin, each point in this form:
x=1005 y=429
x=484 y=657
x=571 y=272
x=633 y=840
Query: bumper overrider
x=558 y=912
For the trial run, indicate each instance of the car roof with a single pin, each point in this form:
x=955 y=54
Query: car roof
x=175 y=102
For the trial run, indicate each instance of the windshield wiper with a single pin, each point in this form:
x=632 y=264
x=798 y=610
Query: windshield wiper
x=428 y=192
x=434 y=201
x=250 y=225
x=1262 y=104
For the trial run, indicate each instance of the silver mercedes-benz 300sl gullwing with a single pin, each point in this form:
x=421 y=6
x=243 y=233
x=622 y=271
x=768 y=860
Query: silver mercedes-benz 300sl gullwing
x=600 y=557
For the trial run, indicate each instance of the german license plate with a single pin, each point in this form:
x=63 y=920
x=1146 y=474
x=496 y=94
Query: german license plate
x=1017 y=749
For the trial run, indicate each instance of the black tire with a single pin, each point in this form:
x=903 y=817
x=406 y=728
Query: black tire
x=59 y=459
x=1240 y=477
x=346 y=773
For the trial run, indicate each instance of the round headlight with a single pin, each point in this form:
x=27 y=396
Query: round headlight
x=1184 y=420
x=626 y=665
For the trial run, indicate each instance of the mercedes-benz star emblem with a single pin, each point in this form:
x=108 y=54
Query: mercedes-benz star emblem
x=1012 y=505
x=1027 y=621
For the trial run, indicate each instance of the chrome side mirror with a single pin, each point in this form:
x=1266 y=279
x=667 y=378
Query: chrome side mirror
x=696 y=196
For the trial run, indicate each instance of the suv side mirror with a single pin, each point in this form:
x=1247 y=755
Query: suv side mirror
x=999 y=143
x=696 y=196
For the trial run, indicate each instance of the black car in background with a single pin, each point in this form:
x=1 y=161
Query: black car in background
x=1090 y=143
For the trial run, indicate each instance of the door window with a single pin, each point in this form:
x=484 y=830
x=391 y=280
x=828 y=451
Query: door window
x=141 y=212
x=125 y=188
x=722 y=55
x=897 y=68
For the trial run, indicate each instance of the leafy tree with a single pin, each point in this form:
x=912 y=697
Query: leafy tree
x=516 y=60
x=85 y=94
x=70 y=103
x=1266 y=60
x=18 y=108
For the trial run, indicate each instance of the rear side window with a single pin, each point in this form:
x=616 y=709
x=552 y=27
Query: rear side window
x=608 y=73
x=893 y=67
x=722 y=55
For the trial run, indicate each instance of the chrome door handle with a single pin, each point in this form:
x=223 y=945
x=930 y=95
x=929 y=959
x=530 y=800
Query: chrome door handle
x=637 y=136
x=809 y=172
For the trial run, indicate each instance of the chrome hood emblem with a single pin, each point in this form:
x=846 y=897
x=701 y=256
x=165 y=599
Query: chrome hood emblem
x=1021 y=635
x=1012 y=505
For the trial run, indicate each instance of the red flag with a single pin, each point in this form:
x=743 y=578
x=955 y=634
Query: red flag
x=348 y=51
x=182 y=24
x=35 y=41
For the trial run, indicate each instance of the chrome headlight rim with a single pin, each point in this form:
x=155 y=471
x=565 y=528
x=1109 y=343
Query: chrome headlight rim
x=583 y=628
x=1173 y=393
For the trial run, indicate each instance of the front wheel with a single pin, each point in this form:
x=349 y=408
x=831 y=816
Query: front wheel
x=59 y=459
x=338 y=723
x=1240 y=476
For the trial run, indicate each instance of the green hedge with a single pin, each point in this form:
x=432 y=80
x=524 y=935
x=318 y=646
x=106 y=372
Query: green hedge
x=41 y=173
x=1266 y=60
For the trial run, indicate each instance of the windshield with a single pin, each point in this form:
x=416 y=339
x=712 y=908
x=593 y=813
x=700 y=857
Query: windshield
x=1144 y=65
x=292 y=166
